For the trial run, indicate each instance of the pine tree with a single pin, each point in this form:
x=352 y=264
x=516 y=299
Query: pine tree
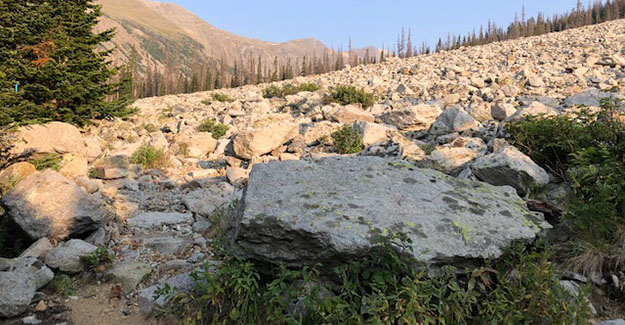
x=49 y=48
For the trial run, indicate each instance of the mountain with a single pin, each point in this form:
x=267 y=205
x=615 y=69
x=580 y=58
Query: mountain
x=170 y=40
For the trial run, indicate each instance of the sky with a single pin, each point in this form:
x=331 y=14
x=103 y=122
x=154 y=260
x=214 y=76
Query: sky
x=366 y=22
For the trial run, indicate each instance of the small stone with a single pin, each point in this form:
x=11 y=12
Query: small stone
x=536 y=81
x=31 y=320
x=41 y=306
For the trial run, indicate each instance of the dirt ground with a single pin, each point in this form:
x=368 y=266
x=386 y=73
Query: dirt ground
x=91 y=307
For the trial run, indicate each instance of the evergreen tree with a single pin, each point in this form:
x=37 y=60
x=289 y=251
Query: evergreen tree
x=49 y=49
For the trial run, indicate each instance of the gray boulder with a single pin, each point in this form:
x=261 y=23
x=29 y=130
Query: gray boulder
x=454 y=119
x=16 y=293
x=417 y=117
x=149 y=302
x=589 y=97
x=302 y=213
x=509 y=166
x=68 y=256
x=34 y=270
x=534 y=109
x=46 y=204
x=38 y=248
x=130 y=273
x=204 y=201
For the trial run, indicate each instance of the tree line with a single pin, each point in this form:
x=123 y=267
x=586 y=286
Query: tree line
x=209 y=74
x=593 y=13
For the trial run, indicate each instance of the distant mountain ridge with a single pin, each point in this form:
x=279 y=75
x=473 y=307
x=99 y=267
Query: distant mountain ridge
x=171 y=40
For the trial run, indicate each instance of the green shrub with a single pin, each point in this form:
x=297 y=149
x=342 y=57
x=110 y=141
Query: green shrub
x=347 y=140
x=44 y=162
x=272 y=91
x=61 y=284
x=292 y=90
x=275 y=91
x=149 y=157
x=222 y=98
x=589 y=152
x=151 y=128
x=346 y=95
x=384 y=287
x=101 y=257
x=217 y=129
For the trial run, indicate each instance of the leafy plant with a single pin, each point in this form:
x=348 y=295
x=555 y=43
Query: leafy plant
x=183 y=149
x=384 y=287
x=48 y=161
x=292 y=90
x=151 y=128
x=346 y=95
x=222 y=98
x=100 y=257
x=275 y=91
x=217 y=129
x=347 y=140
x=272 y=91
x=61 y=284
x=149 y=157
x=92 y=173
x=589 y=152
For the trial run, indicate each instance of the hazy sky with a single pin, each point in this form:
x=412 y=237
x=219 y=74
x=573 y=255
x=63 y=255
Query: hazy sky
x=367 y=22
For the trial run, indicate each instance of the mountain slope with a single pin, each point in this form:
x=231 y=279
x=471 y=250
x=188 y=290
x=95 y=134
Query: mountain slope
x=167 y=37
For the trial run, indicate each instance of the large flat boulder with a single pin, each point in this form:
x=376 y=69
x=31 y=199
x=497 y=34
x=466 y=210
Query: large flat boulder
x=53 y=137
x=46 y=204
x=301 y=213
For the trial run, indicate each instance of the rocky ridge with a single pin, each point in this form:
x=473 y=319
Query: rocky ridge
x=443 y=111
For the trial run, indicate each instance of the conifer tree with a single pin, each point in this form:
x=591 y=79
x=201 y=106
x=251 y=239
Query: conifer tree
x=48 y=48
